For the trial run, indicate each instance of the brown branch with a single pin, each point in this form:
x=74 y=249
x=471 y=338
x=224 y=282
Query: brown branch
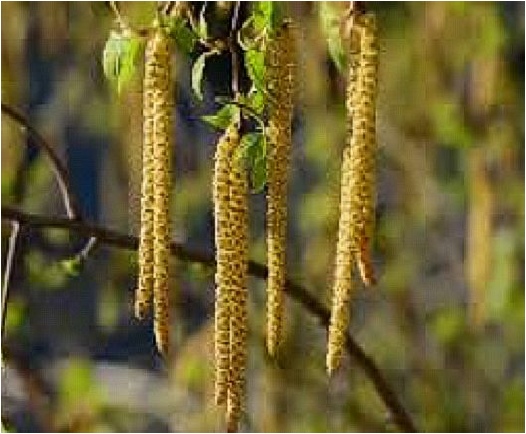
x=59 y=169
x=233 y=49
x=8 y=268
x=182 y=252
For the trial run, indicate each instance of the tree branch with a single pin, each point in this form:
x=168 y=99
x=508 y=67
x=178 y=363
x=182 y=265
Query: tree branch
x=182 y=252
x=59 y=169
x=233 y=50
x=8 y=268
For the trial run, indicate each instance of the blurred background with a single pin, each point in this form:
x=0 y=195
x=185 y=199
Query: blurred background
x=446 y=321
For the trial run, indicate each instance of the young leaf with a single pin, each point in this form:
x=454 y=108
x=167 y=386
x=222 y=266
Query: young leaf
x=222 y=119
x=258 y=175
x=253 y=149
x=256 y=100
x=119 y=58
x=267 y=15
x=184 y=37
x=330 y=23
x=72 y=267
x=263 y=13
x=255 y=63
x=197 y=75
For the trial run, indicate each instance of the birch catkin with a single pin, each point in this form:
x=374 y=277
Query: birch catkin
x=239 y=227
x=144 y=292
x=363 y=149
x=230 y=194
x=357 y=194
x=281 y=83
x=342 y=278
x=223 y=276
x=158 y=82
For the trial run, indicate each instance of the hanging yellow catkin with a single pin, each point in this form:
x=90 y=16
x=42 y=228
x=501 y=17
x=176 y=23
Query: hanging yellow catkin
x=239 y=230
x=357 y=181
x=223 y=276
x=158 y=49
x=342 y=277
x=363 y=148
x=281 y=83
x=144 y=291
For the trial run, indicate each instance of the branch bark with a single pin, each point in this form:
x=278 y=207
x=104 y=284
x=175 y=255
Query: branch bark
x=8 y=268
x=59 y=169
x=297 y=292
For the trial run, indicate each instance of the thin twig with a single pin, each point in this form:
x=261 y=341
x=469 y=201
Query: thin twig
x=232 y=39
x=59 y=169
x=8 y=268
x=118 y=17
x=184 y=253
x=86 y=250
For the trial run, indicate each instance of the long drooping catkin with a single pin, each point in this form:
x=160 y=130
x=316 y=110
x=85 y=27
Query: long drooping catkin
x=357 y=181
x=144 y=292
x=224 y=276
x=281 y=83
x=342 y=277
x=239 y=229
x=158 y=53
x=363 y=149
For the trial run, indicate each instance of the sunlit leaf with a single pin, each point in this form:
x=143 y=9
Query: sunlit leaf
x=253 y=149
x=222 y=119
x=184 y=37
x=197 y=75
x=255 y=63
x=262 y=14
x=72 y=267
x=119 y=58
x=330 y=24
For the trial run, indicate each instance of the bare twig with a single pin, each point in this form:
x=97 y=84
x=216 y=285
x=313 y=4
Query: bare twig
x=57 y=166
x=232 y=39
x=59 y=169
x=8 y=268
x=295 y=291
x=118 y=17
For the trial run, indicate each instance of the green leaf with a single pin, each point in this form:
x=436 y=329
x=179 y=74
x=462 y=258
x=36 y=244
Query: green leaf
x=119 y=58
x=449 y=125
x=253 y=149
x=184 y=37
x=259 y=175
x=255 y=63
x=330 y=24
x=267 y=15
x=197 y=75
x=72 y=267
x=263 y=13
x=256 y=101
x=223 y=117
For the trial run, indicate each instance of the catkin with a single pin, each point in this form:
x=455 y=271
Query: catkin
x=144 y=292
x=363 y=149
x=159 y=81
x=357 y=203
x=230 y=195
x=223 y=276
x=239 y=228
x=281 y=84
x=342 y=279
